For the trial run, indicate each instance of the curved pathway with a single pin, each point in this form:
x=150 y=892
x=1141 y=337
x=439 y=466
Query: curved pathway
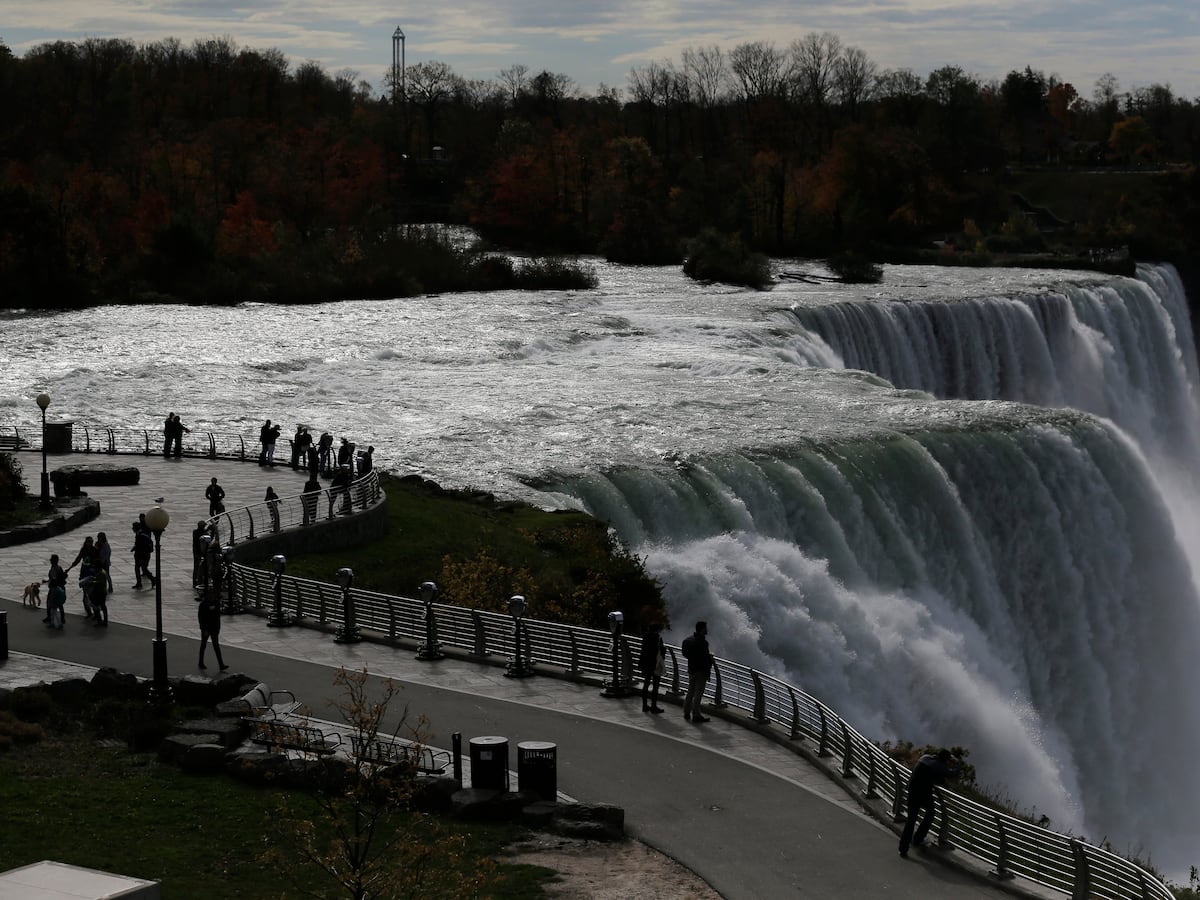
x=751 y=818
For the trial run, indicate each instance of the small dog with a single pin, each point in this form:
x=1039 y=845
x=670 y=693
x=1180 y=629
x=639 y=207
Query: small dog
x=33 y=595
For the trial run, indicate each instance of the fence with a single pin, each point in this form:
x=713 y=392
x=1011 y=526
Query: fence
x=267 y=516
x=1011 y=846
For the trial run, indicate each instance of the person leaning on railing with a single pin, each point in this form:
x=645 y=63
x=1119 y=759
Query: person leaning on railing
x=931 y=770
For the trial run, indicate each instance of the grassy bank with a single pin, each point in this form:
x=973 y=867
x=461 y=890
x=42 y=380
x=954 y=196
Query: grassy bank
x=481 y=551
x=72 y=790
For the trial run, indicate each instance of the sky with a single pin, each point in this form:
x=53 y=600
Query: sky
x=598 y=42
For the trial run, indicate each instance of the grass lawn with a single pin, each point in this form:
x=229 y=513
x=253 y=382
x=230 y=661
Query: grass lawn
x=75 y=799
x=481 y=551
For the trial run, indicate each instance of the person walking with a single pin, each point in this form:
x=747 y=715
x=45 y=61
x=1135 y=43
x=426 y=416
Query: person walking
x=143 y=547
x=931 y=770
x=214 y=493
x=700 y=663
x=208 y=616
x=272 y=501
x=651 y=663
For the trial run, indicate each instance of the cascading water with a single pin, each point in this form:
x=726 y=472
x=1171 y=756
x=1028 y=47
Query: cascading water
x=1010 y=582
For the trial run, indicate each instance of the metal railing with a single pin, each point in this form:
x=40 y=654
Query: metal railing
x=268 y=516
x=1009 y=845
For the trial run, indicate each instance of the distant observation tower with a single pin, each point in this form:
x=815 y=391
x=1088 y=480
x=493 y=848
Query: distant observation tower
x=399 y=88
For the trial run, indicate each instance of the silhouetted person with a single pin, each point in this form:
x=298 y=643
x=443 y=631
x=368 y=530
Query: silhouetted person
x=308 y=500
x=264 y=438
x=931 y=770
x=86 y=560
x=143 y=546
x=99 y=593
x=214 y=494
x=366 y=461
x=208 y=616
x=272 y=438
x=198 y=532
x=325 y=452
x=168 y=433
x=177 y=431
x=651 y=662
x=340 y=487
x=272 y=499
x=700 y=663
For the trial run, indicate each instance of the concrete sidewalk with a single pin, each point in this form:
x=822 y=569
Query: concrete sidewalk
x=751 y=818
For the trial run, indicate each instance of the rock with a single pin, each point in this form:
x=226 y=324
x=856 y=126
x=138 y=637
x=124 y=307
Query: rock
x=203 y=759
x=229 y=733
x=174 y=746
x=70 y=691
x=594 y=821
x=108 y=682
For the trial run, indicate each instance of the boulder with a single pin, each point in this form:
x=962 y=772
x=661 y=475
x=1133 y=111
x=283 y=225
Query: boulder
x=203 y=759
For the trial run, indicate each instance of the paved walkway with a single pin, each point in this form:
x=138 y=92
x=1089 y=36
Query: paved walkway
x=750 y=817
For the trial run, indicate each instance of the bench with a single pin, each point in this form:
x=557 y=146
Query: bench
x=291 y=734
x=10 y=443
x=390 y=751
x=258 y=701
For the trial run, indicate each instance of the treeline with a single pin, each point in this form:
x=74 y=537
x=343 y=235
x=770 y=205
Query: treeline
x=216 y=173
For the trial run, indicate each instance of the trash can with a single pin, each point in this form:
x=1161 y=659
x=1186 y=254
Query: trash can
x=489 y=763
x=537 y=768
x=58 y=437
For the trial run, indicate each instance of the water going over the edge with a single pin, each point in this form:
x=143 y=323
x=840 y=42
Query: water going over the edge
x=955 y=506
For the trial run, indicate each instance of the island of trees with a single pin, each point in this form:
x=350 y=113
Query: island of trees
x=215 y=173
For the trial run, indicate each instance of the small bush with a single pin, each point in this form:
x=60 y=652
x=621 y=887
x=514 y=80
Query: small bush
x=854 y=268
x=715 y=257
x=33 y=704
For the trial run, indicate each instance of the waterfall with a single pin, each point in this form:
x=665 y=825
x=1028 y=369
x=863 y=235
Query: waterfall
x=1008 y=578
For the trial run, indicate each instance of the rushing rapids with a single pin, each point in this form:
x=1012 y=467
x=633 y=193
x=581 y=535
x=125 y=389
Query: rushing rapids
x=955 y=506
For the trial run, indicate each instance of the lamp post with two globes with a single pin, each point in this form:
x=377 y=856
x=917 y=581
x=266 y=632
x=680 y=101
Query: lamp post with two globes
x=43 y=400
x=157 y=519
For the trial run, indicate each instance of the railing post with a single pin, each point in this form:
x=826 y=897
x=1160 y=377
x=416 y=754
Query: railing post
x=146 y=438
x=943 y=831
x=348 y=633
x=241 y=448
x=1001 y=871
x=718 y=696
x=795 y=733
x=674 y=690
x=480 y=635
x=1082 y=888
x=898 y=793
x=574 y=651
x=823 y=749
x=847 y=751
x=212 y=446
x=870 y=792
x=760 y=699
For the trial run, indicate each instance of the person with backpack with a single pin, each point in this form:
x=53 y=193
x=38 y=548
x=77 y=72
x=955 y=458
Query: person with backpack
x=700 y=663
x=56 y=597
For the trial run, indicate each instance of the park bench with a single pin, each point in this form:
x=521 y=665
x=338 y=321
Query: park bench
x=393 y=751
x=258 y=701
x=291 y=734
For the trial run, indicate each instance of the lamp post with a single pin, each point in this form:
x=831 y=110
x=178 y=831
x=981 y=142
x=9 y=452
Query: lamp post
x=43 y=400
x=517 y=668
x=157 y=519
x=616 y=686
x=277 y=619
x=347 y=632
x=431 y=649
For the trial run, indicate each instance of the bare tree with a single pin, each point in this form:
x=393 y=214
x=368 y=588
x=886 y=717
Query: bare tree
x=759 y=70
x=515 y=81
x=853 y=79
x=814 y=60
x=707 y=74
